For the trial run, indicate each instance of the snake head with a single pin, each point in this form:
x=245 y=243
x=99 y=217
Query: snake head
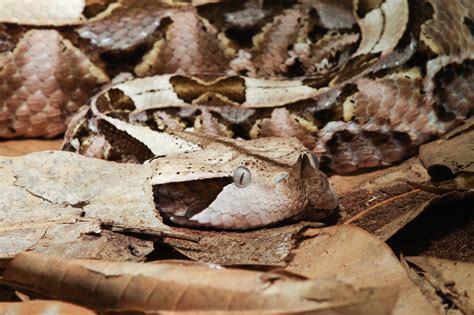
x=244 y=193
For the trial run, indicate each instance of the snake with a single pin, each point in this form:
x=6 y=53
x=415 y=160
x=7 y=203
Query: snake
x=241 y=107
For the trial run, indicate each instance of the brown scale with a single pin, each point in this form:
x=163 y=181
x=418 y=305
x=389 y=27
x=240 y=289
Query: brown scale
x=126 y=27
x=274 y=42
x=454 y=93
x=447 y=33
x=42 y=82
x=387 y=111
x=334 y=14
x=190 y=46
x=94 y=7
x=335 y=49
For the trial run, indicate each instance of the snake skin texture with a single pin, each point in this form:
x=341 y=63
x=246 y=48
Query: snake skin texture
x=42 y=82
x=189 y=47
x=383 y=80
x=310 y=86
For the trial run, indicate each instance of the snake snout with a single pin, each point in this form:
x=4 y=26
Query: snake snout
x=318 y=190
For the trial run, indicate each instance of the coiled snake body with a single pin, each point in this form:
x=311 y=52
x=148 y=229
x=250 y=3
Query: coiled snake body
x=360 y=84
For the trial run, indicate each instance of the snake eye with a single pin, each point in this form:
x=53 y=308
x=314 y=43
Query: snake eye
x=241 y=176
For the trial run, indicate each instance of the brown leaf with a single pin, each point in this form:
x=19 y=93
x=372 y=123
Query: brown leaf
x=73 y=239
x=447 y=279
x=172 y=286
x=39 y=307
x=452 y=155
x=383 y=202
x=51 y=199
x=270 y=246
x=357 y=257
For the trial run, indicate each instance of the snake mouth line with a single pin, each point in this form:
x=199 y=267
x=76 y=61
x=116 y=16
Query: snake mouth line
x=177 y=202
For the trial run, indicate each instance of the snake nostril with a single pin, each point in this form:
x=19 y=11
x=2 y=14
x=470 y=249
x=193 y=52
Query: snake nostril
x=280 y=177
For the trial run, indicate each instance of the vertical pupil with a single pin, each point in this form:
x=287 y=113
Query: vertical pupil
x=241 y=178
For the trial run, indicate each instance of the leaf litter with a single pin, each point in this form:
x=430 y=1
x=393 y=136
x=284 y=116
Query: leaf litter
x=346 y=268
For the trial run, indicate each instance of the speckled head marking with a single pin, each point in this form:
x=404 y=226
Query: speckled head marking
x=224 y=186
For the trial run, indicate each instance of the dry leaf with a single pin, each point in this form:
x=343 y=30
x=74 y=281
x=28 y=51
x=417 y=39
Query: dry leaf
x=39 y=307
x=383 y=201
x=352 y=255
x=445 y=231
x=269 y=246
x=53 y=198
x=71 y=238
x=445 y=279
x=444 y=158
x=173 y=286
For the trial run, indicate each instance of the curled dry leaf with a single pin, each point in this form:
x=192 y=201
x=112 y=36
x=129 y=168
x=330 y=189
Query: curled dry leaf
x=447 y=282
x=72 y=238
x=39 y=307
x=350 y=254
x=444 y=159
x=173 y=286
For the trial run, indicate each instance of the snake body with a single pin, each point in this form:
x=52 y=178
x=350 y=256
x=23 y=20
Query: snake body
x=361 y=84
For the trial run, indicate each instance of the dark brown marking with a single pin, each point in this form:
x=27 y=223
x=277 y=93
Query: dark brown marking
x=190 y=89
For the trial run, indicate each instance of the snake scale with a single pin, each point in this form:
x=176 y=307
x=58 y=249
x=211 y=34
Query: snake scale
x=208 y=92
